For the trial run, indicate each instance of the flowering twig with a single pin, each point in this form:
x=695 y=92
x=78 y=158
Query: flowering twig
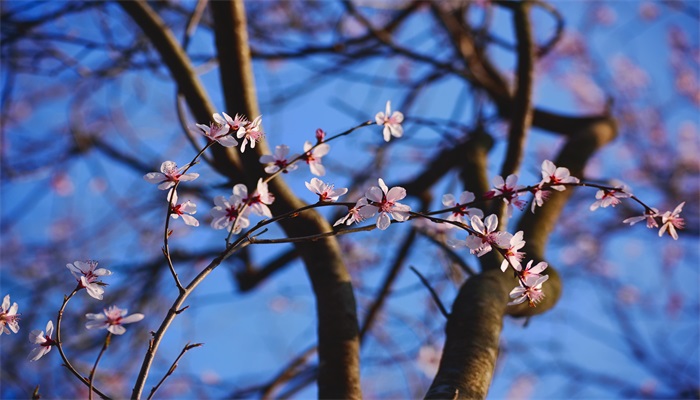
x=59 y=346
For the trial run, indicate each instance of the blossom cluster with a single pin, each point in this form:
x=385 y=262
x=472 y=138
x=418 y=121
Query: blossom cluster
x=88 y=276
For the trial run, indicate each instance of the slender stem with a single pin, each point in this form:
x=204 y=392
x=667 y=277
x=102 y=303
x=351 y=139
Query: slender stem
x=59 y=345
x=173 y=367
x=91 y=378
x=177 y=308
x=166 y=231
x=435 y=296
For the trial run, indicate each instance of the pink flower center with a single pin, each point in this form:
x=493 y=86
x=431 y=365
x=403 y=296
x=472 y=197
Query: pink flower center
x=232 y=213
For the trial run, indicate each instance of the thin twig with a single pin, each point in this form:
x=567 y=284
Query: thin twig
x=59 y=344
x=108 y=339
x=425 y=282
x=173 y=366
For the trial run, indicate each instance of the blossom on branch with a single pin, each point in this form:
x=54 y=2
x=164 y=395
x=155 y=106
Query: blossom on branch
x=260 y=199
x=279 y=160
x=43 y=340
x=531 y=272
x=540 y=195
x=169 y=175
x=235 y=124
x=650 y=215
x=112 y=319
x=385 y=201
x=250 y=132
x=355 y=214
x=513 y=255
x=462 y=210
x=671 y=221
x=9 y=317
x=88 y=275
x=184 y=210
x=553 y=175
x=325 y=191
x=605 y=198
x=486 y=235
x=508 y=189
x=312 y=156
x=218 y=131
x=391 y=121
x=531 y=290
x=227 y=212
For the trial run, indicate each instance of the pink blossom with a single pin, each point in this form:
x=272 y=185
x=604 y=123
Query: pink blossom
x=312 y=156
x=509 y=190
x=280 y=160
x=235 y=124
x=184 y=210
x=169 y=174
x=260 y=199
x=531 y=272
x=385 y=201
x=607 y=198
x=227 y=212
x=671 y=221
x=112 y=319
x=354 y=214
x=88 y=275
x=9 y=317
x=553 y=175
x=218 y=131
x=320 y=135
x=43 y=340
x=530 y=290
x=512 y=254
x=539 y=198
x=486 y=235
x=462 y=210
x=391 y=121
x=325 y=191
x=650 y=215
x=250 y=133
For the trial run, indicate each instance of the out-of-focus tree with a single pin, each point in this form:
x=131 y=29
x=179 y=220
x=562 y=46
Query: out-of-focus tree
x=97 y=94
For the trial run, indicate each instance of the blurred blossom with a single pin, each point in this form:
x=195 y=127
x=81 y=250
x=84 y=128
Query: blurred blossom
x=522 y=388
x=628 y=295
x=674 y=305
x=604 y=15
x=587 y=94
x=62 y=184
x=210 y=377
x=279 y=304
x=62 y=228
x=648 y=387
x=628 y=76
x=98 y=184
x=648 y=10
x=429 y=360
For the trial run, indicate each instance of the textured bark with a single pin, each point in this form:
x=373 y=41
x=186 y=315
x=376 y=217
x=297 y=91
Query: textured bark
x=338 y=333
x=338 y=338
